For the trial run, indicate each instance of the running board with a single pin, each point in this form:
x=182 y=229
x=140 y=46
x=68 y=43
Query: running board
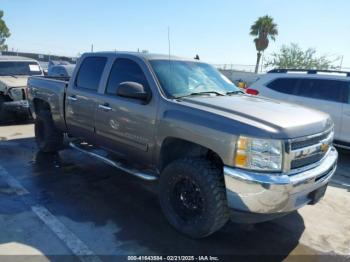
x=123 y=167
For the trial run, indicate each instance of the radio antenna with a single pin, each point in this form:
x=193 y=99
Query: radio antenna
x=169 y=46
x=169 y=50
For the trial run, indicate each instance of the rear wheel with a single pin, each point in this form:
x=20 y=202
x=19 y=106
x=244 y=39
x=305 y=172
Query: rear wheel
x=193 y=197
x=48 y=138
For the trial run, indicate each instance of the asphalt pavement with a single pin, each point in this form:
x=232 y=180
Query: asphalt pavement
x=71 y=206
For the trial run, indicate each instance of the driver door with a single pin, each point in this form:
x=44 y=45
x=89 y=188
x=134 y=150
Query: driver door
x=123 y=125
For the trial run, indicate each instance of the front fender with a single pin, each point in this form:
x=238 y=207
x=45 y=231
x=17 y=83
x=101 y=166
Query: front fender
x=198 y=129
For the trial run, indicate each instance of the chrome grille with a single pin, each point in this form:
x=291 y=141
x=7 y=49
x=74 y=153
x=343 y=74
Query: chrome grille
x=297 y=163
x=310 y=141
x=308 y=150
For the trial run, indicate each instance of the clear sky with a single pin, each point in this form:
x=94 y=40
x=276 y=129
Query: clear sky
x=216 y=30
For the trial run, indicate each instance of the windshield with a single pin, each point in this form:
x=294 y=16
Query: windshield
x=183 y=78
x=19 y=68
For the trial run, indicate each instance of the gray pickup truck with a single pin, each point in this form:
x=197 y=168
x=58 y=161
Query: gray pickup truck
x=14 y=74
x=217 y=152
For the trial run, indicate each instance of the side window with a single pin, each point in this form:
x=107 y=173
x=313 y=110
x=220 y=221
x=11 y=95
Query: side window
x=348 y=93
x=330 y=90
x=125 y=70
x=284 y=85
x=90 y=73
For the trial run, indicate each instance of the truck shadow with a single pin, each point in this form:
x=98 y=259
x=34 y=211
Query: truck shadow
x=100 y=194
x=74 y=186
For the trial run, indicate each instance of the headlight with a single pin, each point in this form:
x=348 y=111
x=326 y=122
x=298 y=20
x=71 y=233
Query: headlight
x=259 y=154
x=16 y=93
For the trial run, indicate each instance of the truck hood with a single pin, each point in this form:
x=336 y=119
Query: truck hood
x=279 y=119
x=10 y=81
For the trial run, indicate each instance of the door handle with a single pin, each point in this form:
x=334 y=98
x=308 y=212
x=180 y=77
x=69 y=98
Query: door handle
x=72 y=98
x=105 y=107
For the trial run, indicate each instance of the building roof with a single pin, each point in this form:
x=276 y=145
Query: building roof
x=15 y=58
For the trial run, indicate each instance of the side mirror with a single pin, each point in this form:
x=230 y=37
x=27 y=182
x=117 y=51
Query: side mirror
x=132 y=90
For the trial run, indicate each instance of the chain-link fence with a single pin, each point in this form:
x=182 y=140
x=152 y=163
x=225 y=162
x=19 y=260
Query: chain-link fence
x=242 y=67
x=251 y=68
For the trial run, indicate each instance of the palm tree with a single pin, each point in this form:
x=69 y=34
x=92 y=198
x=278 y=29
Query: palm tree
x=264 y=29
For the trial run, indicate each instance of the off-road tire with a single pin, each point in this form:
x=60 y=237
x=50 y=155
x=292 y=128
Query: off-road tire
x=4 y=115
x=48 y=138
x=210 y=181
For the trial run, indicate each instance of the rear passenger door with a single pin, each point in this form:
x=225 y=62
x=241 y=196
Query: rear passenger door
x=82 y=95
x=325 y=95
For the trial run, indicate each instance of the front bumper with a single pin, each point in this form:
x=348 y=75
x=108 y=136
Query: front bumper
x=270 y=195
x=20 y=106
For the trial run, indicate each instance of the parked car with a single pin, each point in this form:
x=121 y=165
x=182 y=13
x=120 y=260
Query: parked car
x=61 y=70
x=328 y=91
x=14 y=73
x=183 y=123
x=57 y=62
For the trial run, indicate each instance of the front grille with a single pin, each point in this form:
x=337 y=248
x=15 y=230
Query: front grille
x=297 y=163
x=308 y=150
x=309 y=142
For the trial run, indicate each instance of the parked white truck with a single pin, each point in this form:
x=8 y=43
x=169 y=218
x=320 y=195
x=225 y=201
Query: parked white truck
x=14 y=74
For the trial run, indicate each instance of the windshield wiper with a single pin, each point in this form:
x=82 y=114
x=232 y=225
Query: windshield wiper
x=235 y=92
x=202 y=93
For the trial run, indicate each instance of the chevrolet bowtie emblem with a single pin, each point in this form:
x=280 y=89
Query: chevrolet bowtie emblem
x=324 y=147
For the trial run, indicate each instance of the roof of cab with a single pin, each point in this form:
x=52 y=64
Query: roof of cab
x=146 y=56
x=15 y=58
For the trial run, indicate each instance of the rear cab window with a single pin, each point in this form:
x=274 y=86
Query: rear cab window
x=90 y=73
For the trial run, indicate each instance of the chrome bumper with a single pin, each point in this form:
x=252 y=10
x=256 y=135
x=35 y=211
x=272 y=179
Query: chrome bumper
x=17 y=106
x=271 y=194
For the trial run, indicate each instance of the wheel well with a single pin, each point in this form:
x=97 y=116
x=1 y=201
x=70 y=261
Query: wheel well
x=175 y=148
x=40 y=105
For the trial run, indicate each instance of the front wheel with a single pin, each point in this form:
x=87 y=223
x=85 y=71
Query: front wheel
x=193 y=197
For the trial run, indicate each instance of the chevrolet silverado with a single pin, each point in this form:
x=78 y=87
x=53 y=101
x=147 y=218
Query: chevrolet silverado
x=218 y=153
